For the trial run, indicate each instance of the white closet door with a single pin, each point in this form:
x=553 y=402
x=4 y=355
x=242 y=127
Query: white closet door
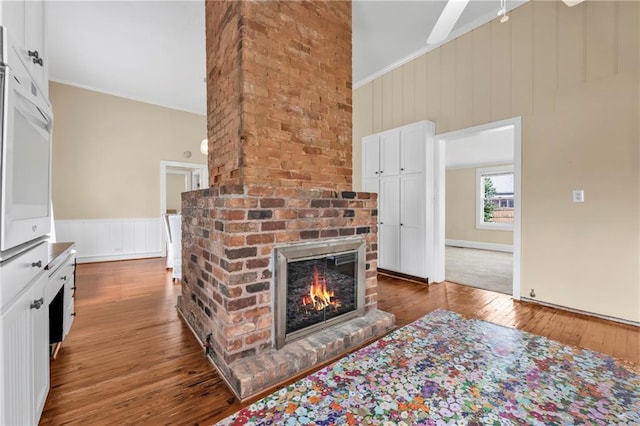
x=412 y=212
x=390 y=154
x=370 y=157
x=389 y=228
x=413 y=149
x=371 y=185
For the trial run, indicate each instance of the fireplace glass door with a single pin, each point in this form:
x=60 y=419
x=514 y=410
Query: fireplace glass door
x=317 y=285
x=320 y=289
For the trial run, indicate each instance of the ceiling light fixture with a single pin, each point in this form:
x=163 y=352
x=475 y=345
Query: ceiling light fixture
x=447 y=20
x=204 y=146
x=572 y=2
x=503 y=11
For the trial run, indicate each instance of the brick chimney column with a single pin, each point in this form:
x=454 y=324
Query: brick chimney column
x=279 y=93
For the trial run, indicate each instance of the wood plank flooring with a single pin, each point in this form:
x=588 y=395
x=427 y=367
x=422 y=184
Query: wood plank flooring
x=131 y=360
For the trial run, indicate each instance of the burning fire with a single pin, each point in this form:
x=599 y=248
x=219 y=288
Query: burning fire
x=319 y=297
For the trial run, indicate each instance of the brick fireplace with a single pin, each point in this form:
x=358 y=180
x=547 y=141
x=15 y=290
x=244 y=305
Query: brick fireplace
x=279 y=127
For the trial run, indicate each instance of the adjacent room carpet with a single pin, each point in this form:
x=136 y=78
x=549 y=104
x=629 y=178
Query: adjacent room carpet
x=444 y=369
x=486 y=269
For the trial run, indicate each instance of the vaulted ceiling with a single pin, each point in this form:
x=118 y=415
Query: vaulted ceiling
x=154 y=51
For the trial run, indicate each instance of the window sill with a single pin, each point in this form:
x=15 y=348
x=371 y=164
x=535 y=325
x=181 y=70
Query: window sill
x=495 y=226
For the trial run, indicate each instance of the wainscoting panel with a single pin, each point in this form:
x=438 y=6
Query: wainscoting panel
x=99 y=240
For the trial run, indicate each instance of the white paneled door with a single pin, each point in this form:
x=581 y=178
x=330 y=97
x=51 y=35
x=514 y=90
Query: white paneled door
x=389 y=227
x=389 y=154
x=371 y=157
x=412 y=150
x=412 y=224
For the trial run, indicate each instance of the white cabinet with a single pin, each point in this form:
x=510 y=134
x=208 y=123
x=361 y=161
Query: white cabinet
x=27 y=302
x=389 y=154
x=40 y=374
x=389 y=224
x=25 y=22
x=396 y=165
x=61 y=296
x=12 y=15
x=34 y=45
x=370 y=157
x=24 y=355
x=68 y=276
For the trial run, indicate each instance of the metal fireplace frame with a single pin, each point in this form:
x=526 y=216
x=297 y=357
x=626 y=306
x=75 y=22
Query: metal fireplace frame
x=307 y=251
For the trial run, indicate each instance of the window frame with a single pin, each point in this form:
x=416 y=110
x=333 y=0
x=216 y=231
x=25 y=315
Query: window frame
x=480 y=173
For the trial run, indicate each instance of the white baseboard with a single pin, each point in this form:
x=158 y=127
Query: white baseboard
x=580 y=311
x=103 y=240
x=113 y=258
x=479 y=245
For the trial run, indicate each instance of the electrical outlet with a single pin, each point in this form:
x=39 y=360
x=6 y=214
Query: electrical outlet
x=578 y=196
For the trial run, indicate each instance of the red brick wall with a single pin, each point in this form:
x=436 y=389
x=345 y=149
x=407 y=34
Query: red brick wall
x=224 y=84
x=293 y=127
x=229 y=233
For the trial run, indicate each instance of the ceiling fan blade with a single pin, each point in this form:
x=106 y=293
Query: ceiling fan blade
x=572 y=2
x=452 y=11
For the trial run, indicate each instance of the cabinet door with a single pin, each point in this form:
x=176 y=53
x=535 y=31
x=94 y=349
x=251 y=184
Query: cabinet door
x=413 y=140
x=390 y=154
x=412 y=219
x=13 y=18
x=16 y=344
x=389 y=228
x=40 y=333
x=370 y=157
x=371 y=185
x=69 y=298
x=34 y=41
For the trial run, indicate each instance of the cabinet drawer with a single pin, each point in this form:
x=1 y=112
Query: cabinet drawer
x=60 y=277
x=17 y=272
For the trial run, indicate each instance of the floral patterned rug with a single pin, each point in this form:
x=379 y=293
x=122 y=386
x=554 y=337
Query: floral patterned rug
x=443 y=369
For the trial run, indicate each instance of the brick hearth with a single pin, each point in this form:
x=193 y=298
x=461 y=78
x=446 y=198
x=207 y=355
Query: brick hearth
x=279 y=127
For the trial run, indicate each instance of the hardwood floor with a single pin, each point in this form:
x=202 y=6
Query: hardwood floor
x=130 y=359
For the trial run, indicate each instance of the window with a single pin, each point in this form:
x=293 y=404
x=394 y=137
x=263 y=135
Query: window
x=495 y=198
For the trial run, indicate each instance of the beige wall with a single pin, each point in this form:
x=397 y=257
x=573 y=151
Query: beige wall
x=175 y=188
x=107 y=152
x=460 y=210
x=572 y=75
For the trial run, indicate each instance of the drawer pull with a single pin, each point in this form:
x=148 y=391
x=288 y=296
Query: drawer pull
x=37 y=264
x=73 y=314
x=37 y=304
x=63 y=278
x=73 y=288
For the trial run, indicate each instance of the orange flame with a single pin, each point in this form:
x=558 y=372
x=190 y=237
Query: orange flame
x=319 y=297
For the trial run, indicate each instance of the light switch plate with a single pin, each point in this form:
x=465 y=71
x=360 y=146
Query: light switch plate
x=578 y=196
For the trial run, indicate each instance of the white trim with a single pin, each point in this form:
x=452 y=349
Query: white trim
x=120 y=95
x=580 y=311
x=439 y=173
x=479 y=245
x=507 y=248
x=92 y=259
x=479 y=213
x=429 y=47
x=163 y=177
x=439 y=168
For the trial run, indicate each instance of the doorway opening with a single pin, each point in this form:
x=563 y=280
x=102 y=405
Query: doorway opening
x=478 y=205
x=176 y=178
